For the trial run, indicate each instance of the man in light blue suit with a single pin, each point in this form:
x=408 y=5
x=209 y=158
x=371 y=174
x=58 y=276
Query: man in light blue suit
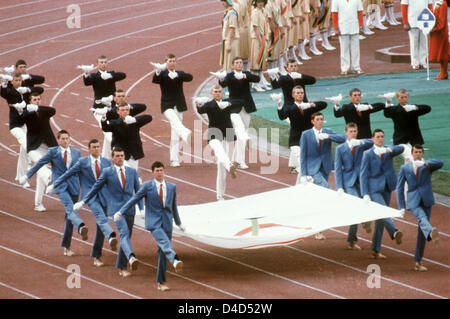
x=347 y=165
x=160 y=209
x=88 y=170
x=315 y=154
x=315 y=151
x=62 y=158
x=419 y=197
x=121 y=183
x=378 y=180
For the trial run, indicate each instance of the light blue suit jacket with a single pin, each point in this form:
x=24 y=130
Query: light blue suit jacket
x=87 y=178
x=54 y=156
x=117 y=195
x=347 y=166
x=311 y=157
x=157 y=215
x=419 y=189
x=375 y=173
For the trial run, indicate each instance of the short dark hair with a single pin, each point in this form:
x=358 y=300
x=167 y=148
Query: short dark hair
x=116 y=149
x=101 y=57
x=122 y=104
x=417 y=147
x=236 y=58
x=17 y=75
x=291 y=61
x=20 y=62
x=61 y=132
x=313 y=116
x=157 y=164
x=35 y=94
x=354 y=90
x=377 y=130
x=298 y=87
x=352 y=125
x=118 y=91
x=170 y=56
x=93 y=141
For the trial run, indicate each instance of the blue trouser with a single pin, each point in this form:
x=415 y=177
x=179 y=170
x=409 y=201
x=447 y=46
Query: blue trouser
x=383 y=198
x=423 y=214
x=353 y=190
x=321 y=178
x=163 y=239
x=125 y=228
x=71 y=217
x=104 y=230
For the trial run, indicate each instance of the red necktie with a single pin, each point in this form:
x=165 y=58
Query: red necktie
x=161 y=195
x=65 y=157
x=123 y=178
x=353 y=151
x=359 y=114
x=381 y=156
x=97 y=169
x=417 y=172
x=300 y=109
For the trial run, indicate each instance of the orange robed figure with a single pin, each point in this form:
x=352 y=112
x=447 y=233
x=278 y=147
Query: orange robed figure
x=439 y=38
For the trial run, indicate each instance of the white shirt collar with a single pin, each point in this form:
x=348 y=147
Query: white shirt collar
x=316 y=131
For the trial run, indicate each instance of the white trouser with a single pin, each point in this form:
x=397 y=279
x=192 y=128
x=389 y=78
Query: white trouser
x=43 y=175
x=417 y=47
x=407 y=156
x=177 y=131
x=20 y=133
x=294 y=157
x=107 y=138
x=239 y=150
x=349 y=44
x=131 y=162
x=221 y=149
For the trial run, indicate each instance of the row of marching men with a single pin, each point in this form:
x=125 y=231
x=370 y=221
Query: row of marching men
x=267 y=33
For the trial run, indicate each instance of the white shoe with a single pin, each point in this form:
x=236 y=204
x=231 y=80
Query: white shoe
x=361 y=37
x=26 y=185
x=315 y=51
x=258 y=88
x=40 y=208
x=133 y=263
x=178 y=265
x=367 y=31
x=328 y=47
x=242 y=166
x=175 y=164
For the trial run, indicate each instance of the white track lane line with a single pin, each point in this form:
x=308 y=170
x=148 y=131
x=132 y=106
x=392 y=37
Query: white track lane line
x=365 y=272
x=22 y=4
x=64 y=270
x=35 y=26
x=166 y=11
x=115 y=253
x=19 y=291
x=46 y=11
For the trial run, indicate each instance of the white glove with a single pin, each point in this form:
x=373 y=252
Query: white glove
x=23 y=89
x=100 y=111
x=117 y=216
x=20 y=106
x=159 y=67
x=419 y=163
x=78 y=205
x=295 y=75
x=200 y=100
x=129 y=119
x=380 y=150
x=220 y=75
x=276 y=97
x=306 y=105
x=355 y=142
x=336 y=100
x=323 y=136
x=23 y=180
x=32 y=108
x=9 y=69
x=409 y=108
x=303 y=180
x=239 y=75
x=387 y=96
x=49 y=189
x=106 y=76
x=26 y=77
x=173 y=74
x=106 y=100
x=340 y=191
x=6 y=77
x=182 y=228
x=363 y=107
x=86 y=68
x=273 y=73
x=223 y=104
x=366 y=198
x=402 y=212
